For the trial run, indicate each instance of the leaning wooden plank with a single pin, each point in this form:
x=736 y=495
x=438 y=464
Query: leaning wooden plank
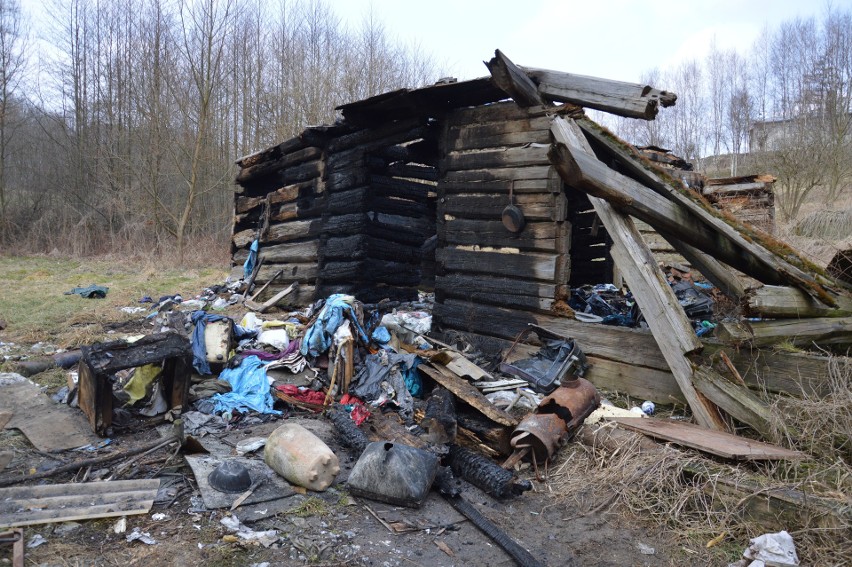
x=273 y=301
x=798 y=332
x=791 y=267
x=787 y=302
x=468 y=393
x=664 y=315
x=737 y=400
x=716 y=443
x=509 y=78
x=30 y=505
x=623 y=99
x=718 y=274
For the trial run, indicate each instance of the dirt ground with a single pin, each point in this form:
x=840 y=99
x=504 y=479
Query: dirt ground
x=331 y=528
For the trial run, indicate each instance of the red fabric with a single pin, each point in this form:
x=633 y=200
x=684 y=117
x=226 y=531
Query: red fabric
x=302 y=394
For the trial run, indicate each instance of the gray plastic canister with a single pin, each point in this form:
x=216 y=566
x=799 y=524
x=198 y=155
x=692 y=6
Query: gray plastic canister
x=393 y=473
x=301 y=457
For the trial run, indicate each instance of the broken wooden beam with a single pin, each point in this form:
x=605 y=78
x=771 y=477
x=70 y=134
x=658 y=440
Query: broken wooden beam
x=663 y=313
x=467 y=393
x=735 y=399
x=716 y=443
x=780 y=302
x=797 y=332
x=509 y=78
x=631 y=100
x=271 y=302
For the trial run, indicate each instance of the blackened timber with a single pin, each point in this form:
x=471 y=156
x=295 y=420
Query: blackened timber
x=342 y=202
x=403 y=188
x=392 y=273
x=541 y=236
x=302 y=172
x=381 y=249
x=341 y=271
x=349 y=247
x=538 y=266
x=407 y=230
x=282 y=253
x=290 y=272
x=616 y=97
x=397 y=206
x=412 y=170
x=387 y=134
x=495 y=158
x=271 y=167
x=347 y=178
x=344 y=224
x=282 y=232
x=499 y=134
x=536 y=206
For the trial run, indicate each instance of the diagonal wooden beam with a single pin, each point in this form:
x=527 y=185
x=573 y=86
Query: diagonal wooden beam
x=671 y=329
x=509 y=78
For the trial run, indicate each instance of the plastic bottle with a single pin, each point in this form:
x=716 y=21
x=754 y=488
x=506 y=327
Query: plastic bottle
x=301 y=457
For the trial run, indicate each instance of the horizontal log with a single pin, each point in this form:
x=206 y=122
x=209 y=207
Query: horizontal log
x=383 y=186
x=274 y=166
x=282 y=232
x=502 y=186
x=371 y=138
x=290 y=272
x=296 y=252
x=466 y=285
x=798 y=332
x=301 y=173
x=535 y=155
x=497 y=174
x=536 y=236
x=788 y=302
x=638 y=382
x=412 y=171
x=344 y=224
x=538 y=206
x=497 y=112
x=538 y=266
x=341 y=270
x=348 y=178
x=616 y=97
x=351 y=247
x=736 y=188
x=497 y=134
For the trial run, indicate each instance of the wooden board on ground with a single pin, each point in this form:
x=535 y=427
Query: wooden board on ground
x=468 y=393
x=716 y=443
x=48 y=426
x=5 y=417
x=460 y=365
x=29 y=505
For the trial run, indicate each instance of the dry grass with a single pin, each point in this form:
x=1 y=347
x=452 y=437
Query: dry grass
x=698 y=498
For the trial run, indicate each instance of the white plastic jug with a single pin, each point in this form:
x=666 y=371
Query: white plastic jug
x=301 y=457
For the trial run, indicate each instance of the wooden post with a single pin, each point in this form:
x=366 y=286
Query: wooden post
x=672 y=330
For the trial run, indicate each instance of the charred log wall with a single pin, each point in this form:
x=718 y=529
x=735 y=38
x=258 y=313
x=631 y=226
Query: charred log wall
x=488 y=151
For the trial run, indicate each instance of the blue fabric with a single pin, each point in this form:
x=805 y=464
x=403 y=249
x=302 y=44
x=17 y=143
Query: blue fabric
x=248 y=267
x=249 y=389
x=319 y=336
x=413 y=382
x=381 y=335
x=199 y=349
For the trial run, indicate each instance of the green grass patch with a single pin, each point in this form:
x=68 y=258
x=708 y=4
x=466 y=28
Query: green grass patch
x=35 y=308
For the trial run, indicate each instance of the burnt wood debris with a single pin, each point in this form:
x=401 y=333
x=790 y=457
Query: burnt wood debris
x=562 y=257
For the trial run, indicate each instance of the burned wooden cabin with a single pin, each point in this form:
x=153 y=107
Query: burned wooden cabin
x=500 y=195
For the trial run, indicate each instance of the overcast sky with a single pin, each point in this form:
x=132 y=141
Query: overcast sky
x=613 y=39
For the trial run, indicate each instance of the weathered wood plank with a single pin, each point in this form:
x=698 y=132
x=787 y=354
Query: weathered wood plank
x=533 y=155
x=788 y=302
x=291 y=272
x=499 y=134
x=734 y=234
x=497 y=112
x=538 y=236
x=798 y=332
x=538 y=266
x=716 y=443
x=468 y=285
x=664 y=315
x=304 y=295
x=515 y=174
x=538 y=206
x=513 y=81
x=735 y=399
x=638 y=382
x=623 y=99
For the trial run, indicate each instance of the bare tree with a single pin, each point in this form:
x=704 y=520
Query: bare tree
x=11 y=68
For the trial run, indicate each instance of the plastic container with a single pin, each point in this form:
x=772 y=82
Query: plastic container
x=393 y=473
x=301 y=457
